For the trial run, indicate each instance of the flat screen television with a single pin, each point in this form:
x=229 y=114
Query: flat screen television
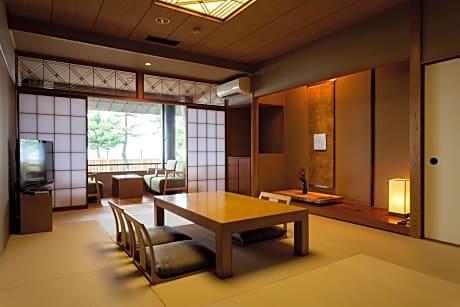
x=36 y=164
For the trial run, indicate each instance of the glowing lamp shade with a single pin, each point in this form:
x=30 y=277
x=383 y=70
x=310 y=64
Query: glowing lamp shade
x=399 y=197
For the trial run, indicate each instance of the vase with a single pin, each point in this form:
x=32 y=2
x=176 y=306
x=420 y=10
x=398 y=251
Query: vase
x=304 y=188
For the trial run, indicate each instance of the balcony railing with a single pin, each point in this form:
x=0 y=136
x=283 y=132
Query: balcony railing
x=119 y=165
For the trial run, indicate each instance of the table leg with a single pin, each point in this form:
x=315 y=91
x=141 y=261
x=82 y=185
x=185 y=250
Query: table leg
x=301 y=236
x=159 y=216
x=224 y=254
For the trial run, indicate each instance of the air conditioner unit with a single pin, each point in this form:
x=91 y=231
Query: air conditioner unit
x=240 y=86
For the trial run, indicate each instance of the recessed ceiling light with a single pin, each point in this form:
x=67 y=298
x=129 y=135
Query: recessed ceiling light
x=148 y=64
x=196 y=30
x=162 y=20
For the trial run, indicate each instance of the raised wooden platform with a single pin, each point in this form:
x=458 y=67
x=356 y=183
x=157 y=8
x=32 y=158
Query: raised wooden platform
x=311 y=197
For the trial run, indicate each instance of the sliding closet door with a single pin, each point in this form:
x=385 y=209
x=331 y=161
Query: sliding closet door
x=63 y=121
x=442 y=151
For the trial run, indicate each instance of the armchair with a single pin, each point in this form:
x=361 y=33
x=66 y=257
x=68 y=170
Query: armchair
x=169 y=180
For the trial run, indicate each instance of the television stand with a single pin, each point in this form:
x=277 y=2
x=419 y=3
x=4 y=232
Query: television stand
x=35 y=211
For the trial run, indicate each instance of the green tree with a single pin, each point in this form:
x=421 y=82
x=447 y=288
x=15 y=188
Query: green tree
x=105 y=133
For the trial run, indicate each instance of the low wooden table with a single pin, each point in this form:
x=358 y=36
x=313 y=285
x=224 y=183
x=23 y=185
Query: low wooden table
x=127 y=186
x=225 y=213
x=311 y=197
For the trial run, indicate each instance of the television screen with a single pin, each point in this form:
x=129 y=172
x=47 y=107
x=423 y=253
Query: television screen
x=36 y=163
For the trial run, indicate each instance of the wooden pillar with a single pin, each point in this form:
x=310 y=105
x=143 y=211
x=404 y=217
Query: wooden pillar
x=416 y=120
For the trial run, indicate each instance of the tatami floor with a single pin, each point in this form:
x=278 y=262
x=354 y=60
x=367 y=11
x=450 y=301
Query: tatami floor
x=77 y=264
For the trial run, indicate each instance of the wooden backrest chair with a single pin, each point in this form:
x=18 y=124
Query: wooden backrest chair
x=160 y=263
x=122 y=237
x=277 y=198
x=93 y=187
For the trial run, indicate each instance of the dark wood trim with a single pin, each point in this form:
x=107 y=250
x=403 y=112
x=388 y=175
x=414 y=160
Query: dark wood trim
x=79 y=35
x=70 y=208
x=372 y=134
x=140 y=85
x=416 y=121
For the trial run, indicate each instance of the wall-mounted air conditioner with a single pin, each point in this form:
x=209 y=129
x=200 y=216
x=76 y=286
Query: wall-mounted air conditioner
x=241 y=86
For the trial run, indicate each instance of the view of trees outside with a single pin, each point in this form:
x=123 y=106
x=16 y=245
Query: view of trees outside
x=123 y=138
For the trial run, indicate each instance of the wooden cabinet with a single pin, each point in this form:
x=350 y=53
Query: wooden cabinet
x=239 y=175
x=36 y=212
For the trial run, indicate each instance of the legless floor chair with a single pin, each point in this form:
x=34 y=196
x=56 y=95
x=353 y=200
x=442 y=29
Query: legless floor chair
x=160 y=263
x=158 y=235
x=266 y=233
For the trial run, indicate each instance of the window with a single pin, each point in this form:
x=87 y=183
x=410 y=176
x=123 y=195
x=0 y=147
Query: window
x=130 y=136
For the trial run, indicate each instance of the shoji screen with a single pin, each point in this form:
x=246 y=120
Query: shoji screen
x=63 y=121
x=206 y=150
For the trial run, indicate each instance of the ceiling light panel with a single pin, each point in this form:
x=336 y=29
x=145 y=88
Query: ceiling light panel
x=217 y=10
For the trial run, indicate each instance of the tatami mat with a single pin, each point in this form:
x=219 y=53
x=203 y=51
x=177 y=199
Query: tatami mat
x=356 y=281
x=78 y=264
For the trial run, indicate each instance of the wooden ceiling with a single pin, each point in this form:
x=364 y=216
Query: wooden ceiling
x=266 y=30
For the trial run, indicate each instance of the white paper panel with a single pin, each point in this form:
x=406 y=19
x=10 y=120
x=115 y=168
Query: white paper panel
x=27 y=103
x=78 y=161
x=79 y=197
x=63 y=198
x=212 y=158
x=78 y=125
x=220 y=144
x=79 y=179
x=221 y=131
x=62 y=124
x=221 y=185
x=192 y=144
x=62 y=106
x=192 y=173
x=201 y=116
x=220 y=158
x=212 y=172
x=45 y=105
x=192 y=159
x=62 y=180
x=202 y=186
x=202 y=144
x=192 y=116
x=212 y=185
x=77 y=107
x=62 y=143
x=62 y=161
x=192 y=186
x=211 y=145
x=202 y=172
x=220 y=172
x=202 y=159
x=192 y=130
x=211 y=131
x=27 y=122
x=220 y=117
x=202 y=130
x=29 y=136
x=45 y=123
x=78 y=143
x=211 y=117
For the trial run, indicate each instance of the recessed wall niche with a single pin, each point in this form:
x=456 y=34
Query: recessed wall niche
x=271 y=128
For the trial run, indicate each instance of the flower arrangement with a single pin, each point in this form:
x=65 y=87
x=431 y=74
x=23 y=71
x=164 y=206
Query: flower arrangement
x=301 y=176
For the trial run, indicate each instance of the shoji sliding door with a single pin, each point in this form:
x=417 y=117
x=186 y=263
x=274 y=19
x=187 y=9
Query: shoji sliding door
x=206 y=150
x=63 y=121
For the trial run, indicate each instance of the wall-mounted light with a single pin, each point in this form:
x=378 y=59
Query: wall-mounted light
x=148 y=64
x=399 y=197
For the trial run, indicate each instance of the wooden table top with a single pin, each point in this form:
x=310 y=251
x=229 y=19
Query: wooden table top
x=225 y=207
x=127 y=176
